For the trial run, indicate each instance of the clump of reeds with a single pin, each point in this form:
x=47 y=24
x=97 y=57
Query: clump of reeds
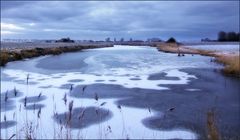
x=232 y=64
x=70 y=107
x=4 y=57
x=30 y=132
x=211 y=125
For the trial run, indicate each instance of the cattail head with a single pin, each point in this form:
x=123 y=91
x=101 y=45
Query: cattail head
x=96 y=97
x=39 y=113
x=56 y=114
x=39 y=95
x=70 y=106
x=83 y=89
x=149 y=109
x=65 y=99
x=96 y=111
x=6 y=96
x=171 y=109
x=34 y=106
x=5 y=117
x=27 y=78
x=71 y=87
x=119 y=107
x=25 y=101
x=82 y=114
x=102 y=104
x=109 y=129
x=15 y=91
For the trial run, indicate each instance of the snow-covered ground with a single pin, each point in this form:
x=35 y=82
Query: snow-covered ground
x=226 y=49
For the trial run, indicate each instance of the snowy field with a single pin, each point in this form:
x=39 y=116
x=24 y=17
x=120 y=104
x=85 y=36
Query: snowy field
x=231 y=49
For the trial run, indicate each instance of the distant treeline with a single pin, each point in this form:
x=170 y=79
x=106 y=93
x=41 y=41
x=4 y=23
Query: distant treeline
x=228 y=36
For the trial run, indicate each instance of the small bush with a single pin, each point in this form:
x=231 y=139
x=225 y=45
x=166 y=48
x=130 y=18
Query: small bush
x=4 y=57
x=171 y=40
x=17 y=56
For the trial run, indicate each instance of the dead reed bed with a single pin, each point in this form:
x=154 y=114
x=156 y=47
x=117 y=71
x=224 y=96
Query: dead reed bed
x=19 y=54
x=231 y=62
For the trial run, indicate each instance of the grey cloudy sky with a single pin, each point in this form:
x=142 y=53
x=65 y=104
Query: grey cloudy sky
x=185 y=20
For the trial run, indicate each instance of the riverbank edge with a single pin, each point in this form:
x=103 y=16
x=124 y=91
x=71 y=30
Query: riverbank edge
x=20 y=54
x=231 y=62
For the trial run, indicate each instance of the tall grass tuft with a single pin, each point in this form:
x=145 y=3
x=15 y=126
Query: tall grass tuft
x=232 y=64
x=211 y=125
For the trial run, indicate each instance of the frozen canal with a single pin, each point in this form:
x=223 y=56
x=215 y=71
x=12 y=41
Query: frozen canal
x=118 y=92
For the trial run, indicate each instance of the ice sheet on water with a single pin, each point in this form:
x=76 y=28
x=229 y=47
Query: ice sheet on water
x=124 y=66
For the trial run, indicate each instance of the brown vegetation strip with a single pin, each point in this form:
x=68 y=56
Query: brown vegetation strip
x=19 y=54
x=231 y=62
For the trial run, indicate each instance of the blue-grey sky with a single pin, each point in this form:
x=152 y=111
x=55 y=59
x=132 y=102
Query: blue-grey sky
x=184 y=20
